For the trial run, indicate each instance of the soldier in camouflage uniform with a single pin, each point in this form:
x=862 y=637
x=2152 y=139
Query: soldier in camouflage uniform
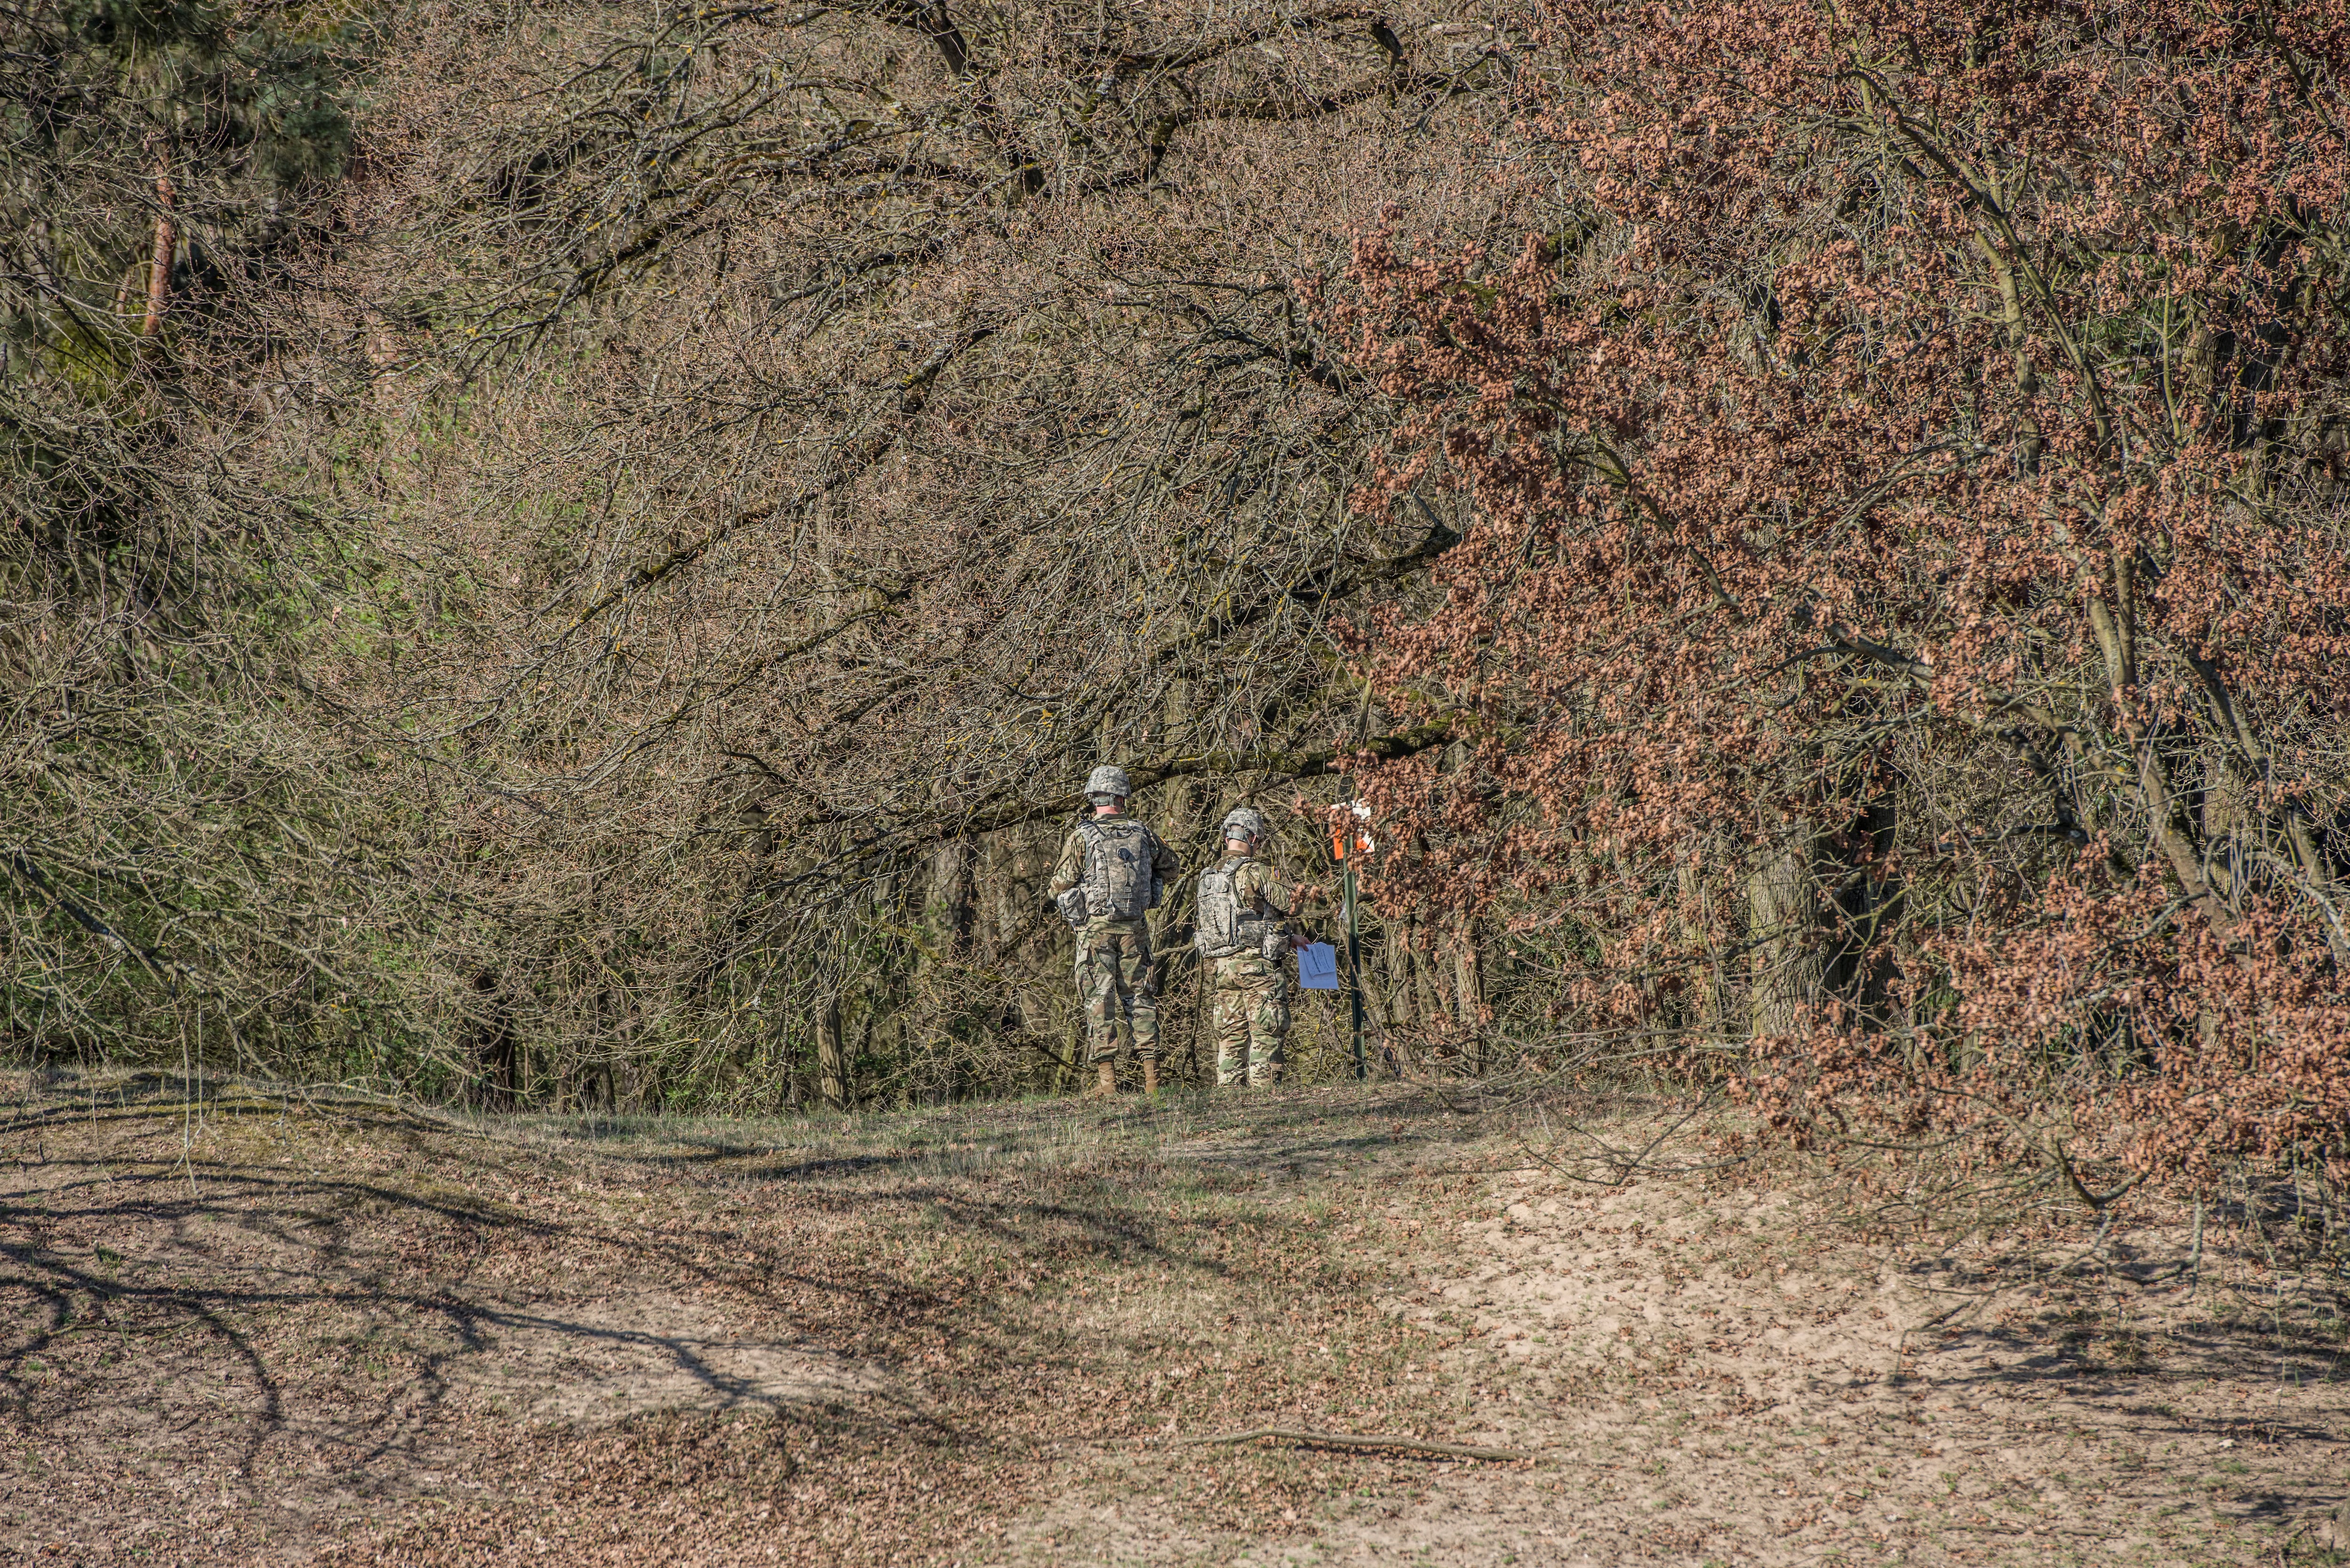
x=1240 y=933
x=1112 y=870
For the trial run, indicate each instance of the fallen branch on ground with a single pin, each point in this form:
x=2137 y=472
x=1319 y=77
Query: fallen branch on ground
x=1358 y=1440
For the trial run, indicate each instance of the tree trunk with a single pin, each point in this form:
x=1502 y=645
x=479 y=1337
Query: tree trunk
x=1701 y=1004
x=1469 y=992
x=1427 y=984
x=1463 y=976
x=1862 y=970
x=1179 y=800
x=1782 y=901
x=951 y=910
x=1017 y=935
x=953 y=895
x=495 y=1047
x=1403 y=990
x=1178 y=811
x=2225 y=812
x=833 y=1079
x=1380 y=1002
x=167 y=243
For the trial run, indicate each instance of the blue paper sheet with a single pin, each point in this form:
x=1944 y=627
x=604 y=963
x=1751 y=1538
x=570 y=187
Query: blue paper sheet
x=1317 y=967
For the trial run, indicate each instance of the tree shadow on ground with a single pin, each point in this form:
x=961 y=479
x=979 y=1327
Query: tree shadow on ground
x=337 y=1291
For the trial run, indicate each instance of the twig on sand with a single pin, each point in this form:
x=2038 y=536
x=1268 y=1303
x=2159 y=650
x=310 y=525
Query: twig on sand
x=1358 y=1440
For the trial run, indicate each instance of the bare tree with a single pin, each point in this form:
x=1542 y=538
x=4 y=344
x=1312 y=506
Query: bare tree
x=826 y=435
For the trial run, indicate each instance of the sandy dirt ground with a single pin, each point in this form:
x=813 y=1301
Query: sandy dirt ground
x=249 y=1328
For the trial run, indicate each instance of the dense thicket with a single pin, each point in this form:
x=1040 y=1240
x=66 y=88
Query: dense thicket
x=1903 y=627
x=187 y=851
x=739 y=471
x=593 y=569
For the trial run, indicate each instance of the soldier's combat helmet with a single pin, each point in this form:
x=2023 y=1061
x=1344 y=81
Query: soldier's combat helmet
x=1245 y=822
x=1106 y=781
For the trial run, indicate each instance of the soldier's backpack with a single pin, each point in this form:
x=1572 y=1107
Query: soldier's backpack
x=1224 y=927
x=1120 y=882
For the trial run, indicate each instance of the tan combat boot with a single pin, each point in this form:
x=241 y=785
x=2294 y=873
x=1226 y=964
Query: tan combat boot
x=1105 y=1079
x=1150 y=1074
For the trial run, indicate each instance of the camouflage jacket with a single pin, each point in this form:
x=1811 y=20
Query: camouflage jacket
x=1254 y=880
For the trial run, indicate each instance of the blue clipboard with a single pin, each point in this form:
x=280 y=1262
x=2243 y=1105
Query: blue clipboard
x=1317 y=967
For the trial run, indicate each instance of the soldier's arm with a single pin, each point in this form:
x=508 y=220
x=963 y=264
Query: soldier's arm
x=1163 y=863
x=1256 y=881
x=1071 y=869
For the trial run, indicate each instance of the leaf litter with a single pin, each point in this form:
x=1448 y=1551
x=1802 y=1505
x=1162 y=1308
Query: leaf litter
x=993 y=1334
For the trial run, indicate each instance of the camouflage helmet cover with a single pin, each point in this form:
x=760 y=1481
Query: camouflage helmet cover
x=1107 y=780
x=1245 y=822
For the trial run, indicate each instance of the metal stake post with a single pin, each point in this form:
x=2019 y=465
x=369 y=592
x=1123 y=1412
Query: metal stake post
x=1355 y=968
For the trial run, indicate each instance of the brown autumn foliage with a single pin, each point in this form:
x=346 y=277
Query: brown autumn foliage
x=1905 y=602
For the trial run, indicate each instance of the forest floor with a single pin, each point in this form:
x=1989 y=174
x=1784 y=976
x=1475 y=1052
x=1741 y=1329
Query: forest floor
x=265 y=1329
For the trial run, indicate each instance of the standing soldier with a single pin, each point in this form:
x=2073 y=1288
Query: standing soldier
x=1112 y=870
x=1240 y=906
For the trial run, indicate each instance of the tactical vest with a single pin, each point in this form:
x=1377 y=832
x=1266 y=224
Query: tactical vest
x=1120 y=883
x=1224 y=928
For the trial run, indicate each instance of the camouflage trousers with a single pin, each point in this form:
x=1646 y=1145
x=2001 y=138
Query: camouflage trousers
x=1252 y=1018
x=1114 y=981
